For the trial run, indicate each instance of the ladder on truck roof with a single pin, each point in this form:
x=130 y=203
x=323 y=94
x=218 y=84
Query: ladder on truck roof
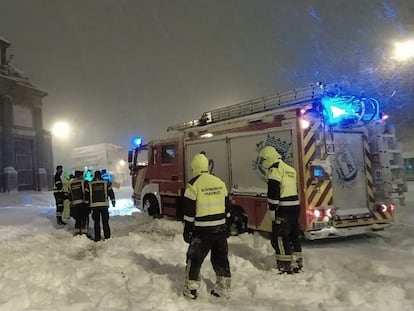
x=261 y=104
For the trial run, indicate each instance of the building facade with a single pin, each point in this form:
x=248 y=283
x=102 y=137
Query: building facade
x=26 y=158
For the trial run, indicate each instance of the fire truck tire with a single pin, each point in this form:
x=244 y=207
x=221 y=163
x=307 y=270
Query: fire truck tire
x=238 y=221
x=151 y=205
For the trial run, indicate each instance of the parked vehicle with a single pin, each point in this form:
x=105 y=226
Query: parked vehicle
x=348 y=161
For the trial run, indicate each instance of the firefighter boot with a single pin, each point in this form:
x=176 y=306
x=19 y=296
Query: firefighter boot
x=222 y=287
x=297 y=265
x=78 y=231
x=190 y=293
x=84 y=231
x=60 y=221
x=190 y=289
x=284 y=267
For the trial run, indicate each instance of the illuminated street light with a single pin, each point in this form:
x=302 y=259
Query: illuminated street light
x=404 y=50
x=61 y=129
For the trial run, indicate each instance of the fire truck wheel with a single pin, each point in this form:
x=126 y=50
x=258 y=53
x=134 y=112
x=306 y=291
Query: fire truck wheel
x=151 y=206
x=238 y=221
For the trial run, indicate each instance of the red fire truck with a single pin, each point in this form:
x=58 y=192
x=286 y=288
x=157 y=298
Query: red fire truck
x=345 y=152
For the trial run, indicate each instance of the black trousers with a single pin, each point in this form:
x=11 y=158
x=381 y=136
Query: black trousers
x=59 y=198
x=286 y=233
x=97 y=214
x=198 y=249
x=81 y=214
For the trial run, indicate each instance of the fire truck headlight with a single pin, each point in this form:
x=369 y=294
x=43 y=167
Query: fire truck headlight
x=317 y=213
x=391 y=208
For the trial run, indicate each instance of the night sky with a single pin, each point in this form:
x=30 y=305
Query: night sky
x=120 y=68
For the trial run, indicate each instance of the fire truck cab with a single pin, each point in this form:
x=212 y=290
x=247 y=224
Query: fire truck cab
x=348 y=162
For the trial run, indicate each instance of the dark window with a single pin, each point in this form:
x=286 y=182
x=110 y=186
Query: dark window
x=167 y=154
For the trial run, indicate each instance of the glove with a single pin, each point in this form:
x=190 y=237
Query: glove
x=187 y=235
x=280 y=227
x=113 y=203
x=272 y=211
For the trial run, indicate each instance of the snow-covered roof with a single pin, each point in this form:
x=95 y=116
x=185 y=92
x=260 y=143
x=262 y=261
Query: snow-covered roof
x=98 y=154
x=96 y=148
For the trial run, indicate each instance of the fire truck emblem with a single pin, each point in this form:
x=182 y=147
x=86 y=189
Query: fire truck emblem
x=346 y=167
x=283 y=147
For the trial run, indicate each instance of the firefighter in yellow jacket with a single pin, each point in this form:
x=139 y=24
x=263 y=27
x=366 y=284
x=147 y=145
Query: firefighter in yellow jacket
x=283 y=203
x=206 y=211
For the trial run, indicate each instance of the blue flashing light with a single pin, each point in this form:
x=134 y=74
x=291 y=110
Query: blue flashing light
x=105 y=175
x=337 y=109
x=338 y=112
x=349 y=110
x=137 y=141
x=88 y=175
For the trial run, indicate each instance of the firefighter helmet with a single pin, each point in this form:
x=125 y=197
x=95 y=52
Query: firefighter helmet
x=269 y=155
x=199 y=164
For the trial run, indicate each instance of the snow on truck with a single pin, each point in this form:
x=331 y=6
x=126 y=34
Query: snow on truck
x=344 y=150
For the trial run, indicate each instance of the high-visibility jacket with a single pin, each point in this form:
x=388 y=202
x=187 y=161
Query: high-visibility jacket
x=77 y=191
x=282 y=188
x=58 y=185
x=97 y=193
x=207 y=207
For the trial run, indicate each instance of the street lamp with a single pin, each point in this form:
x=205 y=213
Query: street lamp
x=404 y=50
x=61 y=129
x=403 y=54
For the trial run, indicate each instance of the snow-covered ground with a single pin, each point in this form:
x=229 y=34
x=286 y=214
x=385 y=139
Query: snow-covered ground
x=43 y=267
